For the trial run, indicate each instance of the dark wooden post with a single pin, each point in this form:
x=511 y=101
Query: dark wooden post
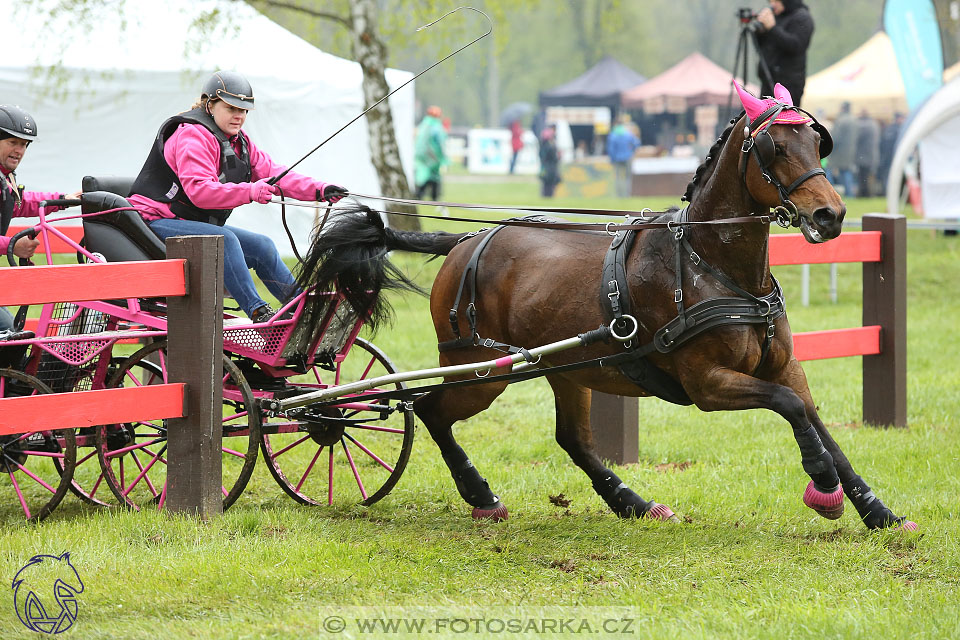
x=615 y=421
x=195 y=356
x=885 y=304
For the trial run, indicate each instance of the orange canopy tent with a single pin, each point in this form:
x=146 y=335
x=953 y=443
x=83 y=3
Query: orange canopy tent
x=696 y=80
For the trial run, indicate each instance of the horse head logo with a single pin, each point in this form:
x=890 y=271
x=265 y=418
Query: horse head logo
x=37 y=577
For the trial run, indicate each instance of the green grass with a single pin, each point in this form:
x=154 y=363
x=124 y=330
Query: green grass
x=749 y=561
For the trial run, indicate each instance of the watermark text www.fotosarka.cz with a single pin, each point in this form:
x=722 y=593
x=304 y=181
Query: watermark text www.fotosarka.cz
x=451 y=621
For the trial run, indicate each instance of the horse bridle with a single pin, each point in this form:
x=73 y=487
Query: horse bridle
x=758 y=141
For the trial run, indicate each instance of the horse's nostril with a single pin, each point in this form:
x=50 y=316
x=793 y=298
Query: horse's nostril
x=825 y=217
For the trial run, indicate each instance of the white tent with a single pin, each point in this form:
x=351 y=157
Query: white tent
x=935 y=129
x=124 y=71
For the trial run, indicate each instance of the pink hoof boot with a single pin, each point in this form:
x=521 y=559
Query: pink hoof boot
x=905 y=525
x=495 y=512
x=661 y=512
x=828 y=505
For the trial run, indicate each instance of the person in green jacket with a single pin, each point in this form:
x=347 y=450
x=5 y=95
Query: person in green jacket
x=428 y=155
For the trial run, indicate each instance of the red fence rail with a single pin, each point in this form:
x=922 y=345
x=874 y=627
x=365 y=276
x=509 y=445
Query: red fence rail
x=881 y=341
x=195 y=352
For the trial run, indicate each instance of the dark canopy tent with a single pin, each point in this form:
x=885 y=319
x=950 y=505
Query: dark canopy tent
x=599 y=86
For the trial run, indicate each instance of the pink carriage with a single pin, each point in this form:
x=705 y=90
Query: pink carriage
x=351 y=451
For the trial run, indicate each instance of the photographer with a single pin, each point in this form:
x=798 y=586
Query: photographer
x=783 y=36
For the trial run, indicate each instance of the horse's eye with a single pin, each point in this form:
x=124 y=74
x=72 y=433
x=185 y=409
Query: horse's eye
x=779 y=150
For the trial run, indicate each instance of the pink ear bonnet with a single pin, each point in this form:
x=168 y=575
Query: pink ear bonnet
x=755 y=106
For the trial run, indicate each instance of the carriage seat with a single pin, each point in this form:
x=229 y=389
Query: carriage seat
x=120 y=236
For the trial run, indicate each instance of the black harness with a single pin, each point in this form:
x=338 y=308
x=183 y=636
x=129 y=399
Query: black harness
x=158 y=181
x=743 y=308
x=689 y=322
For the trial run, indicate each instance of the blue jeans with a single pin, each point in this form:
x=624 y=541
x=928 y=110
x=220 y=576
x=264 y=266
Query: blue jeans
x=846 y=178
x=6 y=319
x=242 y=250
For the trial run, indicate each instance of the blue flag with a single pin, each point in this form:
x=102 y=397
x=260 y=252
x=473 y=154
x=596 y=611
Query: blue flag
x=915 y=34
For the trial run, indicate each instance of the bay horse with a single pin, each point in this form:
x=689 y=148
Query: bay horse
x=531 y=286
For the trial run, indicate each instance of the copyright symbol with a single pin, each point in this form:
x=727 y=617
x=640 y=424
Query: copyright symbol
x=334 y=624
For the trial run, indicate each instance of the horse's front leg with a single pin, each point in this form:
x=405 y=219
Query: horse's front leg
x=724 y=389
x=576 y=438
x=872 y=511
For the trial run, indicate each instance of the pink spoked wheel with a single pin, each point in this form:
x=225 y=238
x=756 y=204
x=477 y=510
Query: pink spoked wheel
x=35 y=467
x=88 y=482
x=133 y=455
x=354 y=452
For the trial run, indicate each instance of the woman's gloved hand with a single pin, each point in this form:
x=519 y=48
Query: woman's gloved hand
x=332 y=193
x=261 y=191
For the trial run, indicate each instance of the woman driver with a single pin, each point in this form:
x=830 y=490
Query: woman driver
x=200 y=167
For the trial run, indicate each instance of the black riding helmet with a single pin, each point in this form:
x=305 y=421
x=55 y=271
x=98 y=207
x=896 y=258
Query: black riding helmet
x=17 y=123
x=231 y=87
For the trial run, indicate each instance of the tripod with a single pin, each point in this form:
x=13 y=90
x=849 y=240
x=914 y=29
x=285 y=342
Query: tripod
x=748 y=35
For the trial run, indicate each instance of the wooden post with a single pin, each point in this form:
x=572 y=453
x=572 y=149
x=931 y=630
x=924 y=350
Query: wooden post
x=885 y=304
x=195 y=356
x=615 y=421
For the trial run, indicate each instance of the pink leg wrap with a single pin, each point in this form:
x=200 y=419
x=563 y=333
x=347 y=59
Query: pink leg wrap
x=906 y=525
x=828 y=505
x=497 y=514
x=661 y=512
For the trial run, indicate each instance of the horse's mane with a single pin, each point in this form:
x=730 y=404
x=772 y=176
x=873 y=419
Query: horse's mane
x=709 y=161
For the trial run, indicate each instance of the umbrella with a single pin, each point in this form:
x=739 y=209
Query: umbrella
x=515 y=111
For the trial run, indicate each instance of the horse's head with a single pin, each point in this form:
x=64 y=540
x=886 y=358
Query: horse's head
x=780 y=165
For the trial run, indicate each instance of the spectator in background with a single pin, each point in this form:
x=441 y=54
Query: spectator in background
x=868 y=152
x=888 y=144
x=783 y=37
x=622 y=142
x=516 y=142
x=843 y=160
x=428 y=154
x=549 y=162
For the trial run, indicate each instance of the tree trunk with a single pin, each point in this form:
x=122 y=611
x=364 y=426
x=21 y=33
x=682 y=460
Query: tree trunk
x=371 y=52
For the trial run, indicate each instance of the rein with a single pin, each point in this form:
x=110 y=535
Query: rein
x=648 y=221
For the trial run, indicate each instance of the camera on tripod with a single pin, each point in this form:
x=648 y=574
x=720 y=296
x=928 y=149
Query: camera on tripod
x=748 y=18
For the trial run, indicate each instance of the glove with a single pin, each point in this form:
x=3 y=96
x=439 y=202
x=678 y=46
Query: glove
x=332 y=193
x=261 y=191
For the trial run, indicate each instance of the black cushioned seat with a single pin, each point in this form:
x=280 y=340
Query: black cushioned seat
x=120 y=236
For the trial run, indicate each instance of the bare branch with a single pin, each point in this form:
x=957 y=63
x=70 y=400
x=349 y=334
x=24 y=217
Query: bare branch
x=326 y=15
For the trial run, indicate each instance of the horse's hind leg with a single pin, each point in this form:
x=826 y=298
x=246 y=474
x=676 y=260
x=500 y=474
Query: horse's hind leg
x=438 y=410
x=576 y=438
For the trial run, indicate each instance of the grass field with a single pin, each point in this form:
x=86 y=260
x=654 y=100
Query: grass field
x=748 y=561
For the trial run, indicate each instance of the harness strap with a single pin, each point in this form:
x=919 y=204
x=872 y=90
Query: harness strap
x=469 y=275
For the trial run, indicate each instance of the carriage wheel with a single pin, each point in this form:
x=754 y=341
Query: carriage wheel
x=345 y=454
x=89 y=483
x=133 y=455
x=32 y=482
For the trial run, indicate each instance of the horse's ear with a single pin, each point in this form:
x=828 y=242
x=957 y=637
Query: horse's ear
x=782 y=94
x=752 y=105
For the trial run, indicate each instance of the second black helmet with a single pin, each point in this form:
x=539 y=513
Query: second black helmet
x=231 y=87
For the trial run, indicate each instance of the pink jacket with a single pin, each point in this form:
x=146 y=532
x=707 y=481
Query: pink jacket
x=194 y=155
x=29 y=208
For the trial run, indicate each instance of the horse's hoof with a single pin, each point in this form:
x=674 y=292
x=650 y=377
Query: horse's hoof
x=828 y=505
x=495 y=512
x=661 y=512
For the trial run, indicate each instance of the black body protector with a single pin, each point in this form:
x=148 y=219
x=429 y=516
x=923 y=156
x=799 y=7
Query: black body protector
x=157 y=180
x=8 y=202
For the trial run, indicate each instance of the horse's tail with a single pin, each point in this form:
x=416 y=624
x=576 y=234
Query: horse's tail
x=350 y=255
